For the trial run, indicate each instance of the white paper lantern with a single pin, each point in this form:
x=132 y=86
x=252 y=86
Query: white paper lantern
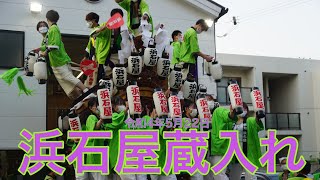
x=106 y=84
x=163 y=67
x=235 y=97
x=134 y=102
x=189 y=89
x=175 y=78
x=216 y=71
x=203 y=109
x=150 y=56
x=135 y=65
x=91 y=80
x=160 y=103
x=63 y=123
x=29 y=63
x=74 y=122
x=119 y=76
x=207 y=67
x=257 y=102
x=104 y=99
x=174 y=107
x=40 y=70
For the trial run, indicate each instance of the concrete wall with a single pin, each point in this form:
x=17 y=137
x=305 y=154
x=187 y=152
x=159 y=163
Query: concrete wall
x=283 y=93
x=30 y=112
x=303 y=91
x=245 y=75
x=312 y=110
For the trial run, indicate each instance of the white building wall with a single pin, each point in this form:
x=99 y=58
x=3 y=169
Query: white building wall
x=312 y=108
x=303 y=90
x=16 y=112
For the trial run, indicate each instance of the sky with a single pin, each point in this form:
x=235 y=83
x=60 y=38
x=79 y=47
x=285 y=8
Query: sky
x=280 y=28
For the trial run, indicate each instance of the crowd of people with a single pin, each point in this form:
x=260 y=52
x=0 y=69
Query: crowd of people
x=103 y=47
x=105 y=44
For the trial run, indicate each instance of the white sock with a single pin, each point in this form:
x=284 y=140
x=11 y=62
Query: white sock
x=85 y=90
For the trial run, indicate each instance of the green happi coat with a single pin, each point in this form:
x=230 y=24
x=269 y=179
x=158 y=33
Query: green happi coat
x=101 y=43
x=57 y=57
x=144 y=8
x=90 y=126
x=176 y=53
x=74 y=145
x=316 y=176
x=118 y=123
x=253 y=140
x=189 y=47
x=118 y=120
x=220 y=121
x=163 y=150
x=163 y=145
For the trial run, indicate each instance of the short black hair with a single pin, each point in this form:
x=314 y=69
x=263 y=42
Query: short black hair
x=117 y=100
x=203 y=24
x=175 y=33
x=93 y=101
x=187 y=103
x=306 y=169
x=52 y=16
x=209 y=95
x=87 y=112
x=115 y=11
x=92 y=16
x=40 y=22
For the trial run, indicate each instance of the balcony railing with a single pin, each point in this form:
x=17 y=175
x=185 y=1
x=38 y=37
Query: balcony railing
x=223 y=95
x=283 y=121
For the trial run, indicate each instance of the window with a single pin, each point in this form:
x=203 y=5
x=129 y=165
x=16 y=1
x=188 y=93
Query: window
x=225 y=81
x=11 y=49
x=222 y=89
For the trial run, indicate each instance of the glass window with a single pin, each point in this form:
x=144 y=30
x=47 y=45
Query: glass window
x=225 y=80
x=222 y=91
x=11 y=49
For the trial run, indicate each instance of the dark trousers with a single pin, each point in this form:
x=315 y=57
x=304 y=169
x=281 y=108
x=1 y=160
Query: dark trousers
x=101 y=73
x=193 y=69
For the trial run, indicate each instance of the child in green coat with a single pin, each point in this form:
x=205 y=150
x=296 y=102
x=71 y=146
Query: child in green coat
x=222 y=119
x=59 y=60
x=94 y=123
x=250 y=147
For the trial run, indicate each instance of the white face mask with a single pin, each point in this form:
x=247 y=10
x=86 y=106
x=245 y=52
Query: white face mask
x=194 y=113
x=43 y=30
x=180 y=39
x=284 y=167
x=89 y=24
x=98 y=110
x=211 y=104
x=134 y=1
x=243 y=114
x=121 y=108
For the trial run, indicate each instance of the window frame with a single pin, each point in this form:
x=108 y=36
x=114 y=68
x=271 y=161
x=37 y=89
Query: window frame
x=23 y=47
x=228 y=80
